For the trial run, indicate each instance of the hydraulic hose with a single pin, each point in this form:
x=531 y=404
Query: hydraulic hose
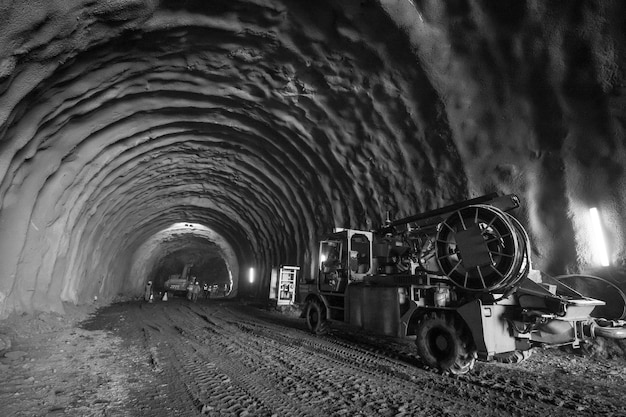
x=607 y=332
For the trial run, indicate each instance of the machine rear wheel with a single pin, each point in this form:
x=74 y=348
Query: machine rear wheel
x=316 y=317
x=444 y=343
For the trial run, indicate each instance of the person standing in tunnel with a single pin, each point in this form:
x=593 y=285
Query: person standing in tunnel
x=190 y=290
x=196 y=291
x=148 y=291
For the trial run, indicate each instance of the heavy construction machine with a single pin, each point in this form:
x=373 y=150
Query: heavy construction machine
x=458 y=278
x=177 y=284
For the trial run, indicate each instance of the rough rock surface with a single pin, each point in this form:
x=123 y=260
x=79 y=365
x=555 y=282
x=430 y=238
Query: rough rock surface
x=260 y=124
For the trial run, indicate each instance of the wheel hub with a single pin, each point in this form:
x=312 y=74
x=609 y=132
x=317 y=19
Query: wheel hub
x=441 y=343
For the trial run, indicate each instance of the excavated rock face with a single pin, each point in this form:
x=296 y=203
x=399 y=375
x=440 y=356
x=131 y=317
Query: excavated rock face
x=138 y=135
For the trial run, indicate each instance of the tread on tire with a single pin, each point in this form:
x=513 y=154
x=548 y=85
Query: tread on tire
x=443 y=342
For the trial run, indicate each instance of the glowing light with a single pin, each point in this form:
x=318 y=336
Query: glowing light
x=597 y=236
x=251 y=275
x=187 y=226
x=322 y=258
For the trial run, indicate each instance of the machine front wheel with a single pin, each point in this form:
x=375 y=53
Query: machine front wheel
x=316 y=317
x=444 y=343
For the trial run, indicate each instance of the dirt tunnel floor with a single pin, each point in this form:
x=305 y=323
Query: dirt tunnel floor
x=224 y=358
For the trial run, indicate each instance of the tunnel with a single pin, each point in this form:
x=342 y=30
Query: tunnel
x=140 y=135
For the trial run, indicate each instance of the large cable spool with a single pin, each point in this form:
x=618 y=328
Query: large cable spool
x=481 y=248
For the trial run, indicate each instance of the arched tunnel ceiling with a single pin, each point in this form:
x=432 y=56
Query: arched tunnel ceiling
x=271 y=121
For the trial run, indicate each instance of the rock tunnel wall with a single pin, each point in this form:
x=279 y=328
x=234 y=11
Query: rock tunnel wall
x=271 y=121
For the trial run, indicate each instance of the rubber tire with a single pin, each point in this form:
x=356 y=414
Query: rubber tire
x=444 y=343
x=316 y=318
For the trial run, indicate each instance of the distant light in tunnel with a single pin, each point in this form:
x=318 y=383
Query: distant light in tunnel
x=597 y=238
x=186 y=225
x=251 y=275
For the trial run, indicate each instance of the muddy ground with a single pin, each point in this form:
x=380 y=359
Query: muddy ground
x=228 y=358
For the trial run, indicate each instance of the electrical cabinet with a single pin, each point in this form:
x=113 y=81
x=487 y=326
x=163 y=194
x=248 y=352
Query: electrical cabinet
x=283 y=284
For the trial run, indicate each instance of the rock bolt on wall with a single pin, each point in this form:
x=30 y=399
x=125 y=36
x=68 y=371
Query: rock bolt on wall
x=261 y=124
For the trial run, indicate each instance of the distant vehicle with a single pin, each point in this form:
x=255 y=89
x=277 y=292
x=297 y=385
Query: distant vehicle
x=177 y=284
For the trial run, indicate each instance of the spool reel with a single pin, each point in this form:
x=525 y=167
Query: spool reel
x=480 y=248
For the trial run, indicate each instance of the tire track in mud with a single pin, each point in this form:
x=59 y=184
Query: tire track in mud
x=518 y=394
x=452 y=388
x=190 y=382
x=246 y=368
x=214 y=381
x=547 y=400
x=165 y=398
x=276 y=365
x=221 y=386
x=223 y=359
x=296 y=385
x=506 y=394
x=514 y=385
x=338 y=367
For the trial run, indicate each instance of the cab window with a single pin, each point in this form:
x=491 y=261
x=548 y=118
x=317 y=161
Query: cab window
x=360 y=257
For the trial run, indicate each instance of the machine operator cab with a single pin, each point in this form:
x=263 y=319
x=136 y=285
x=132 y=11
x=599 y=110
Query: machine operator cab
x=344 y=257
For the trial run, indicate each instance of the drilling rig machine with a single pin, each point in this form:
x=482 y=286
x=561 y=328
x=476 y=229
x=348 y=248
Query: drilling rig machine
x=458 y=278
